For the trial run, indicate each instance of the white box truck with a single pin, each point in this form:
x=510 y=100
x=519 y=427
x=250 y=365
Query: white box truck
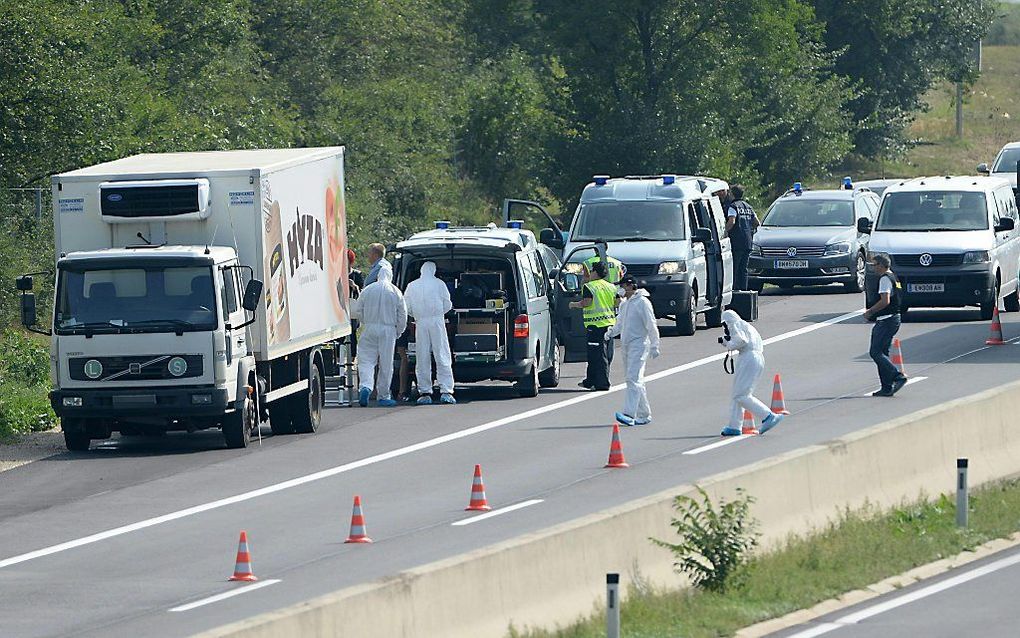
x=161 y=320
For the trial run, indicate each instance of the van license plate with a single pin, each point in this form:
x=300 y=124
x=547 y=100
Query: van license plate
x=926 y=287
x=791 y=263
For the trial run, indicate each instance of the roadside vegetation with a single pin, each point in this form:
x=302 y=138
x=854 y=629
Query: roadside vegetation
x=860 y=548
x=24 y=379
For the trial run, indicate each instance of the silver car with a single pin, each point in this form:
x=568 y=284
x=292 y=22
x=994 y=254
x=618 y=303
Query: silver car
x=811 y=237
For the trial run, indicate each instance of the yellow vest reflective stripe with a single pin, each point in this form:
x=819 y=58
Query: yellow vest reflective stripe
x=602 y=311
x=614 y=271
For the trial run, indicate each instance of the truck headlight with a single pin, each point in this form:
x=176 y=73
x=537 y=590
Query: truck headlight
x=841 y=248
x=71 y=402
x=976 y=257
x=573 y=268
x=672 y=267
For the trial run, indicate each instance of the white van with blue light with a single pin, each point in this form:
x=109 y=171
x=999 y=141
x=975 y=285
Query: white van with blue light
x=670 y=233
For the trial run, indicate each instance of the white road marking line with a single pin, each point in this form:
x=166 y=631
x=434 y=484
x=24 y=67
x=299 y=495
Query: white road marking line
x=718 y=444
x=225 y=595
x=504 y=510
x=906 y=599
x=392 y=454
x=910 y=381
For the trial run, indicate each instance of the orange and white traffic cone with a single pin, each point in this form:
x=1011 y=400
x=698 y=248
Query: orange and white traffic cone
x=478 y=501
x=996 y=338
x=897 y=357
x=748 y=427
x=358 y=532
x=242 y=565
x=778 y=400
x=616 y=450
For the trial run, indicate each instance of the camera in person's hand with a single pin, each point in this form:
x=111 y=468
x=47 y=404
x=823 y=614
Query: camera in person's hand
x=722 y=340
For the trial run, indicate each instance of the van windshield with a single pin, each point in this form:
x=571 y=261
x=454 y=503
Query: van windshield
x=932 y=211
x=629 y=221
x=810 y=212
x=1006 y=162
x=150 y=299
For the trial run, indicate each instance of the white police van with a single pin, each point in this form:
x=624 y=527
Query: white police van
x=952 y=241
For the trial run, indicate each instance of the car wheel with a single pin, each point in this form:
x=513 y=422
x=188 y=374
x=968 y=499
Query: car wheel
x=686 y=322
x=237 y=427
x=527 y=386
x=857 y=285
x=1011 y=302
x=550 y=377
x=306 y=406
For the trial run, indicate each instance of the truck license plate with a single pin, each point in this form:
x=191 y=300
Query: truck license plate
x=791 y=263
x=926 y=287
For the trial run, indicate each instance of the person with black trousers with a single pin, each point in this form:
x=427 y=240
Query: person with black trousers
x=886 y=314
x=741 y=224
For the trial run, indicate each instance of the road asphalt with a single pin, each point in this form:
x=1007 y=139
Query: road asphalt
x=106 y=543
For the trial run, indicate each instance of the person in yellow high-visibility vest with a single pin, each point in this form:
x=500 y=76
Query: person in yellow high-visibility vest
x=598 y=300
x=615 y=271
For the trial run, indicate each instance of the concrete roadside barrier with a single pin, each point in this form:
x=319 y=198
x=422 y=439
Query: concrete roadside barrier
x=554 y=576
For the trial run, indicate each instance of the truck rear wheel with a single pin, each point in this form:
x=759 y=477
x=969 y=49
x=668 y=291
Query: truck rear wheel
x=306 y=406
x=237 y=427
x=280 y=421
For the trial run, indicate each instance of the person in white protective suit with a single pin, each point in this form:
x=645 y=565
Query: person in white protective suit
x=742 y=338
x=383 y=316
x=639 y=339
x=428 y=301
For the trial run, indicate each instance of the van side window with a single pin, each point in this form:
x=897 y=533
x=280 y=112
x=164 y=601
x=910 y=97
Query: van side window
x=692 y=220
x=861 y=210
x=539 y=274
x=718 y=215
x=524 y=262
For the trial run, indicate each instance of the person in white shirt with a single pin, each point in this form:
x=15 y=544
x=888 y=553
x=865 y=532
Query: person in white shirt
x=383 y=315
x=428 y=301
x=639 y=338
x=742 y=338
x=886 y=313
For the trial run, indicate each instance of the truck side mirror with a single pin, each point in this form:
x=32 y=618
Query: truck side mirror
x=983 y=168
x=864 y=225
x=1005 y=224
x=252 y=295
x=28 y=312
x=702 y=236
x=551 y=238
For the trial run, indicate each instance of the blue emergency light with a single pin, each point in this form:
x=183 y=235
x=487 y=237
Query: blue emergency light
x=848 y=184
x=600 y=180
x=798 y=188
x=668 y=180
x=442 y=225
x=515 y=224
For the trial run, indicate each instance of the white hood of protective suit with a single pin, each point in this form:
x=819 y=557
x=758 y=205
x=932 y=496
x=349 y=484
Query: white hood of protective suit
x=381 y=303
x=427 y=296
x=743 y=336
x=636 y=321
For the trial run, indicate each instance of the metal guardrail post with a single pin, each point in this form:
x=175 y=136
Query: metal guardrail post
x=612 y=606
x=962 y=502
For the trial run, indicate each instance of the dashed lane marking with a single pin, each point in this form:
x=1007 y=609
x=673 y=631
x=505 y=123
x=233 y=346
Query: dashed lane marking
x=225 y=595
x=504 y=510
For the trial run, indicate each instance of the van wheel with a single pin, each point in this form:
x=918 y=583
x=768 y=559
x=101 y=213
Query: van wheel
x=306 y=406
x=713 y=317
x=687 y=322
x=280 y=421
x=527 y=386
x=76 y=437
x=550 y=377
x=857 y=285
x=237 y=427
x=1011 y=302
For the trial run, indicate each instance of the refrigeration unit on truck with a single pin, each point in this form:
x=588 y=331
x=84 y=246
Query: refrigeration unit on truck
x=195 y=291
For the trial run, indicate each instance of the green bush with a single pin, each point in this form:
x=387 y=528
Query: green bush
x=24 y=409
x=24 y=384
x=1006 y=28
x=23 y=360
x=715 y=540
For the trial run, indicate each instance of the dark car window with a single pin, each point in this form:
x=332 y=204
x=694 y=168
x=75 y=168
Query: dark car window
x=810 y=212
x=1006 y=162
x=933 y=211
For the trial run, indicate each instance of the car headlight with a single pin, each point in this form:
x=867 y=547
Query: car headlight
x=573 y=268
x=841 y=248
x=672 y=267
x=976 y=257
x=756 y=250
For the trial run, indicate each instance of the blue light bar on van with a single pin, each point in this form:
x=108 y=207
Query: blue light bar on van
x=798 y=188
x=600 y=180
x=515 y=224
x=442 y=225
x=848 y=184
x=668 y=180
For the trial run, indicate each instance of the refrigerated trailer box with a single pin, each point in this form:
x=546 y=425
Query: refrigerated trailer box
x=197 y=290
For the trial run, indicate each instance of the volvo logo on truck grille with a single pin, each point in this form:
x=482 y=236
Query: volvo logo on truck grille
x=925 y=259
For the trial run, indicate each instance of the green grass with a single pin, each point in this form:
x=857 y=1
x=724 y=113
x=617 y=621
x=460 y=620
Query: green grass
x=24 y=384
x=859 y=549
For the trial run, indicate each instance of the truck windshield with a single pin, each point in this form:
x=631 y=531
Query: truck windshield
x=629 y=221
x=810 y=212
x=150 y=299
x=933 y=211
x=1006 y=162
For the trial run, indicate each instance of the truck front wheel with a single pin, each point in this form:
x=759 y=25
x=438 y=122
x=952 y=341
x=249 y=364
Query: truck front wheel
x=76 y=437
x=238 y=426
x=306 y=406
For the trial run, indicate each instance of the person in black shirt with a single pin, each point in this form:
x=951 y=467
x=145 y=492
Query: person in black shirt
x=741 y=224
x=886 y=313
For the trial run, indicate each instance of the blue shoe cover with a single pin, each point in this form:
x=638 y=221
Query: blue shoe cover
x=447 y=399
x=623 y=419
x=386 y=403
x=770 y=422
x=363 y=395
x=728 y=431
x=643 y=421
x=424 y=400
